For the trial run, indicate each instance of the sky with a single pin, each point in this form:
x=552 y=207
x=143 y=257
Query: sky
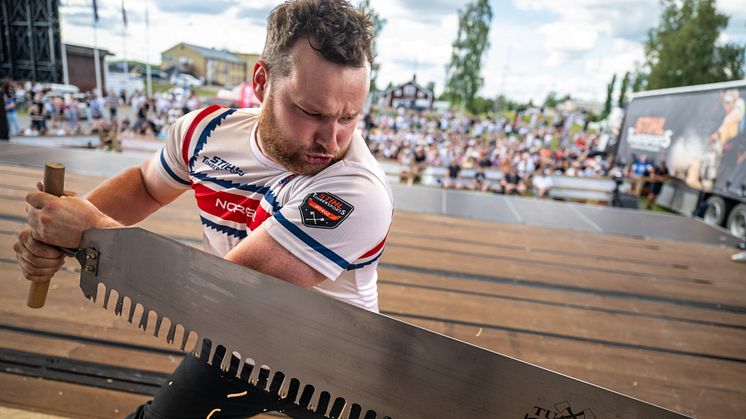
x=536 y=46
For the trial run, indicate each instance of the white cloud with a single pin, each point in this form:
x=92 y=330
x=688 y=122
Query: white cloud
x=571 y=46
x=569 y=37
x=407 y=47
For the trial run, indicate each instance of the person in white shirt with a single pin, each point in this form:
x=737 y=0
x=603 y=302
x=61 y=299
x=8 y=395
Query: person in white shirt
x=289 y=190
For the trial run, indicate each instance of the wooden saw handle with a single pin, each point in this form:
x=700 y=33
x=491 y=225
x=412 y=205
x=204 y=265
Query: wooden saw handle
x=54 y=183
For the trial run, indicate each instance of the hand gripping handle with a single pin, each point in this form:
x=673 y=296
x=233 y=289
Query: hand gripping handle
x=54 y=183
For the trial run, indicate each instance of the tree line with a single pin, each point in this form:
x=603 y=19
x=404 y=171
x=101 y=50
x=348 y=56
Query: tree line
x=685 y=48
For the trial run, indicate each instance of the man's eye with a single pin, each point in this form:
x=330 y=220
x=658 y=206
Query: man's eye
x=311 y=114
x=346 y=119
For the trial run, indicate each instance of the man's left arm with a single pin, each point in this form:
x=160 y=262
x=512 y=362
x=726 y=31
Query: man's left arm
x=260 y=252
x=335 y=225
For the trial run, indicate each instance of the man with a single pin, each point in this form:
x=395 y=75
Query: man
x=658 y=175
x=512 y=183
x=309 y=203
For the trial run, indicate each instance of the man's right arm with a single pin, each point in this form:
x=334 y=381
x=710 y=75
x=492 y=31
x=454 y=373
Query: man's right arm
x=134 y=194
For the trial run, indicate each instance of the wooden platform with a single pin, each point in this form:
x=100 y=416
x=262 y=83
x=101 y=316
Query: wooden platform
x=661 y=321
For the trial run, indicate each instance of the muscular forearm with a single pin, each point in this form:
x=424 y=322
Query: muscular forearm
x=124 y=197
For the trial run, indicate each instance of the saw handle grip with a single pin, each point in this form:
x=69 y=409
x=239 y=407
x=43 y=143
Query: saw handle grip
x=54 y=183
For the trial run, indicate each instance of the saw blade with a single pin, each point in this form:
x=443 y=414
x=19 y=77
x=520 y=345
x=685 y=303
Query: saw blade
x=339 y=359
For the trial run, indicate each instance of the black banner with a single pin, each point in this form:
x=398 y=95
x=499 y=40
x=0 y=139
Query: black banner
x=701 y=135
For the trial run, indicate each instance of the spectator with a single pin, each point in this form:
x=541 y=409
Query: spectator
x=38 y=116
x=542 y=182
x=641 y=167
x=112 y=103
x=480 y=182
x=454 y=175
x=658 y=175
x=512 y=183
x=71 y=115
x=9 y=99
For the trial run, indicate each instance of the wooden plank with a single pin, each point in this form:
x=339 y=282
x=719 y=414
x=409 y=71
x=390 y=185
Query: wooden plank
x=657 y=320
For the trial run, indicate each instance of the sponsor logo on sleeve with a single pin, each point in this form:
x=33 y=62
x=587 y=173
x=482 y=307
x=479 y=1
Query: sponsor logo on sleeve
x=324 y=210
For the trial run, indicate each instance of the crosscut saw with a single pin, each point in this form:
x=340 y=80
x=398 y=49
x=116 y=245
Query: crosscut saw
x=350 y=363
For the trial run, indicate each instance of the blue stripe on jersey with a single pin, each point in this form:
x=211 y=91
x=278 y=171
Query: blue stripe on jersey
x=171 y=172
x=361 y=265
x=310 y=241
x=206 y=134
x=239 y=234
x=264 y=190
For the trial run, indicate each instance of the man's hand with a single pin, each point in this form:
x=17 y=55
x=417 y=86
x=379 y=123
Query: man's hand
x=61 y=221
x=38 y=261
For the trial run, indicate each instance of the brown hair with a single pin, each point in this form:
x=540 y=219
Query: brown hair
x=334 y=28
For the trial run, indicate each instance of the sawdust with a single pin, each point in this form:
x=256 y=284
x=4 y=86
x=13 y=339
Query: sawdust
x=241 y=394
x=213 y=412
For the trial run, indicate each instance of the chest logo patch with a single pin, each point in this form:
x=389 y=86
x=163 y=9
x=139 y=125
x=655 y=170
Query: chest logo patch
x=324 y=210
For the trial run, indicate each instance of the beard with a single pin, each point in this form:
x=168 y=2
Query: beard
x=285 y=150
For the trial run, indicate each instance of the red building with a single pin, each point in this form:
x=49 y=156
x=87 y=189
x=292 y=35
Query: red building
x=409 y=95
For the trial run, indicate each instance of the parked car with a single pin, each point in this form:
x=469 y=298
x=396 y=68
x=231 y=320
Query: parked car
x=185 y=80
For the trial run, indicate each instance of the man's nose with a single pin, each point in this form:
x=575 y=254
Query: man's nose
x=326 y=134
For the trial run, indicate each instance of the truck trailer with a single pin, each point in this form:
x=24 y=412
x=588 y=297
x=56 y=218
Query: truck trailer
x=700 y=132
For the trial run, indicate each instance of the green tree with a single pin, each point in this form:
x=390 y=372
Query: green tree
x=551 y=100
x=609 y=99
x=463 y=72
x=431 y=86
x=378 y=24
x=683 y=49
x=638 y=77
x=483 y=105
x=623 y=90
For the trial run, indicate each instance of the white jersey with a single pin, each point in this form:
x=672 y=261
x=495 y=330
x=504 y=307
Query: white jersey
x=335 y=221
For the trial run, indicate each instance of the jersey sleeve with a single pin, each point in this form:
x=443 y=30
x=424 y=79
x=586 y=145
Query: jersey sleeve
x=335 y=224
x=174 y=169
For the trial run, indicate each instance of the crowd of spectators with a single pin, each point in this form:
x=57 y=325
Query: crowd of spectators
x=514 y=154
x=54 y=111
x=525 y=149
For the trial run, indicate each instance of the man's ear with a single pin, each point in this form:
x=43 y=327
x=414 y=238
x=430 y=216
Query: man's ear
x=260 y=79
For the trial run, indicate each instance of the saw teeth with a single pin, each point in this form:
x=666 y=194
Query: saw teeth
x=276 y=384
x=292 y=391
x=217 y=358
x=157 y=328
x=337 y=408
x=246 y=370
x=120 y=304
x=107 y=294
x=355 y=411
x=323 y=403
x=234 y=364
x=305 y=397
x=144 y=319
x=261 y=381
x=184 y=339
x=287 y=389
x=133 y=307
x=171 y=333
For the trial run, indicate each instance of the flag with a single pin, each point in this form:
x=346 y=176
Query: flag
x=124 y=15
x=95 y=11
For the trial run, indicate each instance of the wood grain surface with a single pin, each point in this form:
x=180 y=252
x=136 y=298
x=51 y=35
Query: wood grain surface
x=661 y=321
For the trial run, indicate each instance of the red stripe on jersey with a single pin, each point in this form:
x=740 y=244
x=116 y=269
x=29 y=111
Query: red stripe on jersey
x=188 y=138
x=227 y=206
x=374 y=250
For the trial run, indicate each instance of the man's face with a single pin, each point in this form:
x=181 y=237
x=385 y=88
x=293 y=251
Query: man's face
x=307 y=118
